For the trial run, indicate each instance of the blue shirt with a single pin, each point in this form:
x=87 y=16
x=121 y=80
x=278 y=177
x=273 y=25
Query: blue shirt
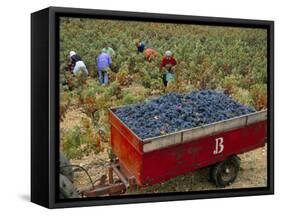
x=141 y=47
x=103 y=61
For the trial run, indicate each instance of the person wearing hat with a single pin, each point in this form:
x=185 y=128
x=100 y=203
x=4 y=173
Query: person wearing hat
x=168 y=64
x=77 y=64
x=103 y=65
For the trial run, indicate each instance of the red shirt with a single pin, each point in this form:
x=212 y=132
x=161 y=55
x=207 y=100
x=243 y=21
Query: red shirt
x=166 y=61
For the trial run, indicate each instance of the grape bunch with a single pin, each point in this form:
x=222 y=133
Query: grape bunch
x=173 y=112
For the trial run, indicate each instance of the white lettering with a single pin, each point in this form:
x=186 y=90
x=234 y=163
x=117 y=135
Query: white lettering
x=219 y=146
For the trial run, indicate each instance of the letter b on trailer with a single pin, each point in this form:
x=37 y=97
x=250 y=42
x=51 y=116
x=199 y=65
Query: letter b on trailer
x=218 y=146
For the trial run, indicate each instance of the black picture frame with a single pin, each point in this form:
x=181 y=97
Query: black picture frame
x=45 y=101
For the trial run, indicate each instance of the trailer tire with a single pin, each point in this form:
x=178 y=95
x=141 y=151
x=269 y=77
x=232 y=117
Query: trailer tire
x=67 y=189
x=210 y=178
x=225 y=172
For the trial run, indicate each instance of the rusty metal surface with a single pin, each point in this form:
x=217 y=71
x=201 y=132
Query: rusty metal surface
x=110 y=175
x=114 y=189
x=120 y=176
x=105 y=188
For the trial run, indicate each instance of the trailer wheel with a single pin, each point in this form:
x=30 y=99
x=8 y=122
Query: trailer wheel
x=225 y=172
x=67 y=189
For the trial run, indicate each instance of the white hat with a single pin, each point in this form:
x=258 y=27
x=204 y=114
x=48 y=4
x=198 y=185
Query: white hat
x=168 y=53
x=71 y=53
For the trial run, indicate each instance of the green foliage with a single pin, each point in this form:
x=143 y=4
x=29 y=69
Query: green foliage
x=230 y=59
x=128 y=98
x=77 y=141
x=243 y=96
x=259 y=95
x=134 y=94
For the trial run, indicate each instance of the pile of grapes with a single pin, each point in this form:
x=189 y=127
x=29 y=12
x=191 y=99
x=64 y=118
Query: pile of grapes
x=173 y=112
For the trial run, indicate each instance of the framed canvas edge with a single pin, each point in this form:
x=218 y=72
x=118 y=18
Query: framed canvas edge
x=54 y=203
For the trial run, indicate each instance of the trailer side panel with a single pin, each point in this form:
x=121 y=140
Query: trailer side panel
x=165 y=163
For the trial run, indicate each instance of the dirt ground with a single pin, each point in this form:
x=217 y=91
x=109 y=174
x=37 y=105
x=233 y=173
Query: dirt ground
x=253 y=171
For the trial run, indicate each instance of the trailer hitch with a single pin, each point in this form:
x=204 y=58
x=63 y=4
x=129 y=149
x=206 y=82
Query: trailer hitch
x=107 y=185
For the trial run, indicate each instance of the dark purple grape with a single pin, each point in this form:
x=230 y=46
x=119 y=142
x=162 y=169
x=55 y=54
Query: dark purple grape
x=173 y=112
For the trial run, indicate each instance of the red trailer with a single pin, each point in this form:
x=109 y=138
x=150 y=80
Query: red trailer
x=153 y=160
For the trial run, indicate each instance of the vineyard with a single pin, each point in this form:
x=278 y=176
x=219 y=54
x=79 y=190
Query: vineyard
x=227 y=59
